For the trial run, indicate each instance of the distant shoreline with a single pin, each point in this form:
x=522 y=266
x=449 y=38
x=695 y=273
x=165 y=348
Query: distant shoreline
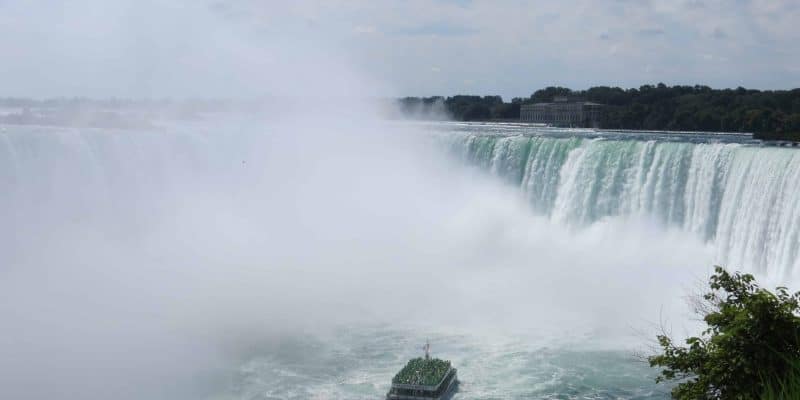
x=771 y=115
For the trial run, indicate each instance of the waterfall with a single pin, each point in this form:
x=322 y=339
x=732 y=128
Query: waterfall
x=744 y=199
x=740 y=198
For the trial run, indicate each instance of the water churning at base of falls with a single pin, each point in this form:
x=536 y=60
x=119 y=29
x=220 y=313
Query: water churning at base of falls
x=741 y=197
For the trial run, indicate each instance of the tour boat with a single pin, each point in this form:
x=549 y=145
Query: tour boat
x=424 y=379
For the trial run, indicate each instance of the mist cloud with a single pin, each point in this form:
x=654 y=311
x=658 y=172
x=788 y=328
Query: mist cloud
x=148 y=264
x=144 y=264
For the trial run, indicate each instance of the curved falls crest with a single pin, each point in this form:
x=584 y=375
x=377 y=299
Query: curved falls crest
x=743 y=199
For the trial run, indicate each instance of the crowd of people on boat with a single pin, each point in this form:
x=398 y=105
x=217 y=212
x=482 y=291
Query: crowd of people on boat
x=422 y=371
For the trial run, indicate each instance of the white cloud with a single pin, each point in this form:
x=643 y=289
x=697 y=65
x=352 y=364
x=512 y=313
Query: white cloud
x=364 y=29
x=508 y=47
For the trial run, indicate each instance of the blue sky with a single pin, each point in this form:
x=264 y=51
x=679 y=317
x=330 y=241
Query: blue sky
x=507 y=47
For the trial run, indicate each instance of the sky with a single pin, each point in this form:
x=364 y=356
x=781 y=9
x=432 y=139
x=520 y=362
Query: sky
x=245 y=48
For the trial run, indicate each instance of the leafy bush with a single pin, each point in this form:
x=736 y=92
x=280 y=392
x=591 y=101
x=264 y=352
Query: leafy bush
x=785 y=388
x=752 y=337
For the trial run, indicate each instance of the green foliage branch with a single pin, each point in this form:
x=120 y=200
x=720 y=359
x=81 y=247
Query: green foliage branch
x=752 y=338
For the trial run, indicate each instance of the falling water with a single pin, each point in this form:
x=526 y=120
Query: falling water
x=741 y=197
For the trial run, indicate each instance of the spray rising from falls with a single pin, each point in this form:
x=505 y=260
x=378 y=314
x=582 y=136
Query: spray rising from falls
x=741 y=198
x=166 y=254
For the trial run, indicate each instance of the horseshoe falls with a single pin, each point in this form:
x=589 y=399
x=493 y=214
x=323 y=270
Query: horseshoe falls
x=741 y=197
x=231 y=258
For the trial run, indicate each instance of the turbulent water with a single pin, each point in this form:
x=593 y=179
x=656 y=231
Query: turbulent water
x=358 y=363
x=739 y=195
x=138 y=261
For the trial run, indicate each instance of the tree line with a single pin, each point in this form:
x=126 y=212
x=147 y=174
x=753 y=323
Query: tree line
x=769 y=114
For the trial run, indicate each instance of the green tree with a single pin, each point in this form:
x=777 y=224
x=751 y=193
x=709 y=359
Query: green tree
x=476 y=112
x=547 y=94
x=752 y=338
